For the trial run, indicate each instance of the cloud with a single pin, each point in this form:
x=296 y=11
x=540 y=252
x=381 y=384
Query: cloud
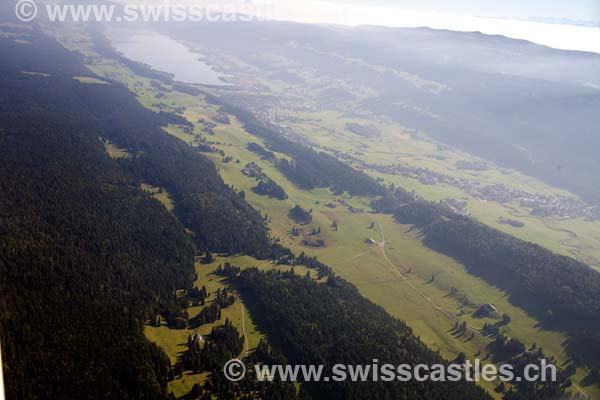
x=566 y=37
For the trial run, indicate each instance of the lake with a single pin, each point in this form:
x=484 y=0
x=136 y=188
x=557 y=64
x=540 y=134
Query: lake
x=164 y=54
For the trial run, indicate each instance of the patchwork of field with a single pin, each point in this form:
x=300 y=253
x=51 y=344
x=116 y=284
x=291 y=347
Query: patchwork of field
x=572 y=236
x=404 y=288
x=327 y=112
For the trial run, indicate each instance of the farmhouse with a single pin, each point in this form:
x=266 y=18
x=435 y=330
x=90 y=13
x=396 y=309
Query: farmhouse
x=490 y=309
x=196 y=338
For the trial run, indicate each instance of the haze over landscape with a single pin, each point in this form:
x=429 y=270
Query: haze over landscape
x=408 y=182
x=568 y=26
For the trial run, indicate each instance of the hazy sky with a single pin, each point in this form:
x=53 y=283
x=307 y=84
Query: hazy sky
x=572 y=9
x=497 y=17
x=458 y=17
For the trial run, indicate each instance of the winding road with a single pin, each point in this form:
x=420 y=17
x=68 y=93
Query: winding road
x=396 y=271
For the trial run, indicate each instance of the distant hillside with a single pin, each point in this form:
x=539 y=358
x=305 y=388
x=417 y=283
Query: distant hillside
x=522 y=105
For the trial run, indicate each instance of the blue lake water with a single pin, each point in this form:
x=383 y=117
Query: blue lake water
x=164 y=54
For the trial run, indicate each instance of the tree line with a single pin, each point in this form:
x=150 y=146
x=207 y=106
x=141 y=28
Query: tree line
x=85 y=256
x=560 y=291
x=309 y=168
x=330 y=323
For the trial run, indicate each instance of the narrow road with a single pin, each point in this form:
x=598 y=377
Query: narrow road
x=569 y=242
x=246 y=346
x=355 y=257
x=438 y=308
x=395 y=270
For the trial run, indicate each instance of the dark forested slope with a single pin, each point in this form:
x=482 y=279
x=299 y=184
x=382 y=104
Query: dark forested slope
x=559 y=291
x=85 y=256
x=561 y=285
x=221 y=220
x=331 y=323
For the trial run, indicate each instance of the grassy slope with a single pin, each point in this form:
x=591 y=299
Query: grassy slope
x=327 y=127
x=160 y=194
x=174 y=341
x=116 y=152
x=345 y=252
x=344 y=248
x=397 y=146
x=370 y=272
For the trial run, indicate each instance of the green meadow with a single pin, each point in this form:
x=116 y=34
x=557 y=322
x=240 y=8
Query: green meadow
x=573 y=237
x=364 y=265
x=414 y=283
x=174 y=341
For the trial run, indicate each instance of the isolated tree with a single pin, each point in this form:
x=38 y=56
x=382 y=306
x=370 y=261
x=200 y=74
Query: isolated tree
x=500 y=388
x=208 y=257
x=196 y=391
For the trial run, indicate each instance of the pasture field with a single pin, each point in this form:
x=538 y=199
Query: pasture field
x=299 y=106
x=364 y=265
x=160 y=194
x=413 y=282
x=90 y=81
x=115 y=151
x=174 y=341
x=574 y=237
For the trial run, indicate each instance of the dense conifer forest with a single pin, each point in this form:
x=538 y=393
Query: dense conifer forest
x=85 y=255
x=268 y=187
x=560 y=291
x=329 y=323
x=261 y=151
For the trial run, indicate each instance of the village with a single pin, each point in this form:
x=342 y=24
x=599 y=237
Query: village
x=541 y=205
